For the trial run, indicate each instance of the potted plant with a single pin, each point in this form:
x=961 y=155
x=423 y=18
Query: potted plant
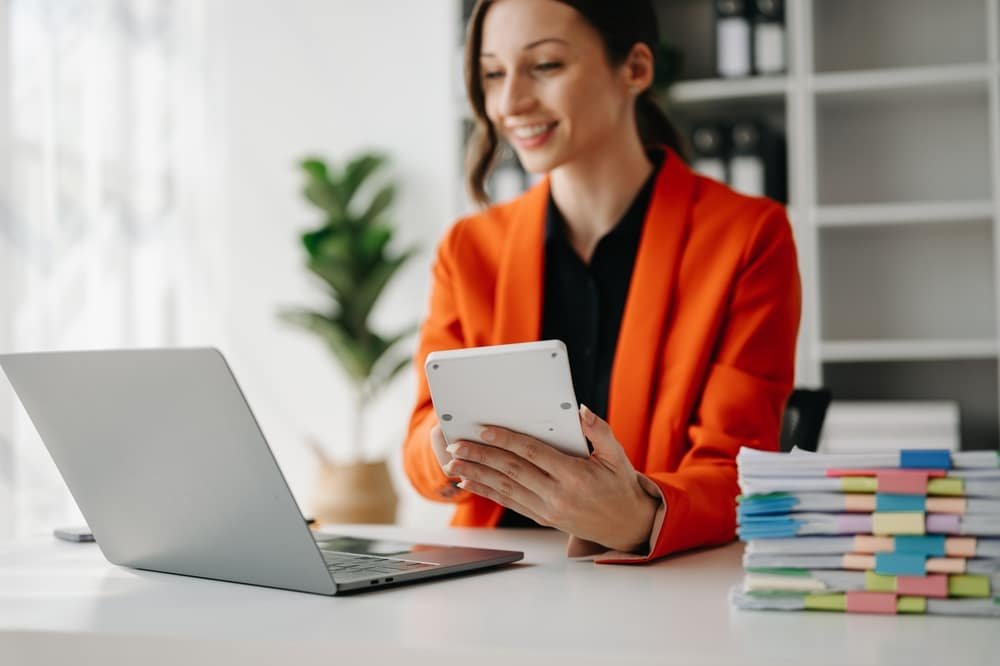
x=350 y=255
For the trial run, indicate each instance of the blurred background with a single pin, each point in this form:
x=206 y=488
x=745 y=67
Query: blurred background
x=151 y=195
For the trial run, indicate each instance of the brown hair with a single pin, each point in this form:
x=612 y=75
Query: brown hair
x=621 y=25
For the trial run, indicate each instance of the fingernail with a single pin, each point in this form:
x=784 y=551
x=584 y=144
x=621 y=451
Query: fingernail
x=588 y=416
x=447 y=467
x=487 y=435
x=461 y=484
x=451 y=448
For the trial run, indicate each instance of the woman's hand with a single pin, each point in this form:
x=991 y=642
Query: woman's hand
x=598 y=498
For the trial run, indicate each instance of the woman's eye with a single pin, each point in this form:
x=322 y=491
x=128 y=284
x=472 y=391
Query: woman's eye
x=496 y=74
x=548 y=66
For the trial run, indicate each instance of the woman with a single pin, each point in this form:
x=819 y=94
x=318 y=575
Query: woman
x=678 y=298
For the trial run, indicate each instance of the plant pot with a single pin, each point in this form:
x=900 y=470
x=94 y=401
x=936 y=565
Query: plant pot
x=359 y=492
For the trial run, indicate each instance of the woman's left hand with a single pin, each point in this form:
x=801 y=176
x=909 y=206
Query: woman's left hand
x=597 y=498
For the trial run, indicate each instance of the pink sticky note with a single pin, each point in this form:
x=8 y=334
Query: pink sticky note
x=923 y=586
x=903 y=482
x=871 y=602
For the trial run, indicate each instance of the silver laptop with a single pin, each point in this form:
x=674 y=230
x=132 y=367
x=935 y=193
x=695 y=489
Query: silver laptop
x=172 y=473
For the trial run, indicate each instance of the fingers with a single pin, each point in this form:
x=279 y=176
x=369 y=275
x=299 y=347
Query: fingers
x=504 y=463
x=598 y=431
x=440 y=446
x=500 y=498
x=536 y=452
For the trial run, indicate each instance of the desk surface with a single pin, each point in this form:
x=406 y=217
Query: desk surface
x=59 y=600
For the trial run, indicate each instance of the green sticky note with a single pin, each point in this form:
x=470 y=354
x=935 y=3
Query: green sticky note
x=760 y=496
x=777 y=571
x=911 y=605
x=858 y=484
x=968 y=585
x=878 y=583
x=826 y=602
x=945 y=486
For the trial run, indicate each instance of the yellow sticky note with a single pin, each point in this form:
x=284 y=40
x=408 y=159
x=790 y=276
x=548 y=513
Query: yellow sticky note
x=911 y=605
x=879 y=583
x=945 y=486
x=858 y=484
x=898 y=522
x=827 y=602
x=968 y=585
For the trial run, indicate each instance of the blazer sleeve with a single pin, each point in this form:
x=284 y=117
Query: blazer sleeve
x=750 y=377
x=442 y=329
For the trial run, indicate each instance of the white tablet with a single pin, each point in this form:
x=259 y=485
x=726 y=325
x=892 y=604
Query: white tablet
x=522 y=387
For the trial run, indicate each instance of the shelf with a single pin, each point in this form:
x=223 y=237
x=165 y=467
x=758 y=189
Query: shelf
x=907 y=282
x=856 y=34
x=904 y=145
x=906 y=350
x=971 y=382
x=714 y=90
x=904 y=213
x=893 y=82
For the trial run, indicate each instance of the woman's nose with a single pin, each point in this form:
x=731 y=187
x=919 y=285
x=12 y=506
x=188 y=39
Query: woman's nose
x=517 y=95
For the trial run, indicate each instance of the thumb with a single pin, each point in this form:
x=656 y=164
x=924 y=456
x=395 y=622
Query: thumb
x=598 y=431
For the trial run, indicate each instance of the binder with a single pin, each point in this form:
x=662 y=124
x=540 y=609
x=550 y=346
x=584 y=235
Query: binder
x=757 y=164
x=709 y=147
x=733 y=38
x=769 y=37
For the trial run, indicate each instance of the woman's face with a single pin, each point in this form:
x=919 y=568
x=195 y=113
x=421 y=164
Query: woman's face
x=547 y=84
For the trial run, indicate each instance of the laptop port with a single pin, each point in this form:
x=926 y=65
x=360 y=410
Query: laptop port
x=374 y=582
x=388 y=580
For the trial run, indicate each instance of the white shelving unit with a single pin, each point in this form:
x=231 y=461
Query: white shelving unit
x=891 y=112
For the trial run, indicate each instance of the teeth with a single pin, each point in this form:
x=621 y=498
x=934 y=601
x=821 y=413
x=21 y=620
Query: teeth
x=528 y=131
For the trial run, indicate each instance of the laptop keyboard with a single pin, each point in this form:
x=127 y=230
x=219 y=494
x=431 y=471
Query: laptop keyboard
x=355 y=565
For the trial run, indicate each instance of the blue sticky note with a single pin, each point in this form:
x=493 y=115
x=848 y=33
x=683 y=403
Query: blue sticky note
x=772 y=528
x=755 y=506
x=900 y=564
x=931 y=545
x=925 y=459
x=894 y=502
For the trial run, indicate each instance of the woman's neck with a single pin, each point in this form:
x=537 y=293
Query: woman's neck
x=594 y=191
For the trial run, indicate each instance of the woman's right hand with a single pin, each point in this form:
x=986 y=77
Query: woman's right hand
x=440 y=446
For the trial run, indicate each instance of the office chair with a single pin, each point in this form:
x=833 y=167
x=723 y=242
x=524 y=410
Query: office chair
x=803 y=418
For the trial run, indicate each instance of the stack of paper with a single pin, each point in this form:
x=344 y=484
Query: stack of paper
x=916 y=531
x=879 y=425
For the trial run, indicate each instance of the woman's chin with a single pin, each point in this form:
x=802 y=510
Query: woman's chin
x=538 y=162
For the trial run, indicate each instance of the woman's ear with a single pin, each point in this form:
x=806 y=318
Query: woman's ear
x=639 y=68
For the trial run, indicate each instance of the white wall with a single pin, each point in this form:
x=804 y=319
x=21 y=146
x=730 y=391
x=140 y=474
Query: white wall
x=6 y=275
x=330 y=77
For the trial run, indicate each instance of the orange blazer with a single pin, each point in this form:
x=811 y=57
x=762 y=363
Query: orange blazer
x=706 y=351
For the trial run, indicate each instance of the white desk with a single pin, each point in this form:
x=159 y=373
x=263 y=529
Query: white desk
x=63 y=603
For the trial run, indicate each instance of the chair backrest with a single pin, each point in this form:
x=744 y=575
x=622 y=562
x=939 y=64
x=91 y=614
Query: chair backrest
x=803 y=419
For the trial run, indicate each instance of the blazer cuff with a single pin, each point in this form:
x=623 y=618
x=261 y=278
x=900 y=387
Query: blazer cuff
x=584 y=549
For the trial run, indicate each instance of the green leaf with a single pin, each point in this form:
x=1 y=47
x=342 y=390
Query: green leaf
x=380 y=202
x=356 y=172
x=338 y=276
x=371 y=246
x=326 y=197
x=315 y=168
x=377 y=383
x=339 y=340
x=376 y=280
x=311 y=240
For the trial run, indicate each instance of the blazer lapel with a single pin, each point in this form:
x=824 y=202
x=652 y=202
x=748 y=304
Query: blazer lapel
x=518 y=310
x=647 y=305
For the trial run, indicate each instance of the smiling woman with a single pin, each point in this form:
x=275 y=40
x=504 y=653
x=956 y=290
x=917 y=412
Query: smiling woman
x=677 y=298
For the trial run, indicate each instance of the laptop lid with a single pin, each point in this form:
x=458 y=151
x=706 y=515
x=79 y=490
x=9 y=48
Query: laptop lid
x=168 y=465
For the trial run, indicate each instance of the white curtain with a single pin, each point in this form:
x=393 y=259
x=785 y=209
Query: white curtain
x=100 y=244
